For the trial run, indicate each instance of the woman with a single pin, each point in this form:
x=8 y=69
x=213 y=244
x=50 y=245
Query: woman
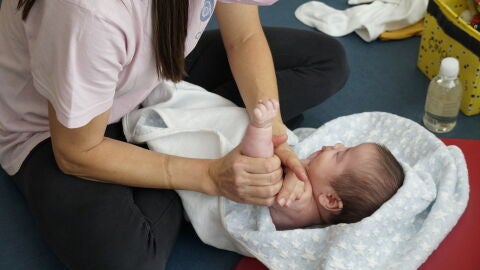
x=70 y=69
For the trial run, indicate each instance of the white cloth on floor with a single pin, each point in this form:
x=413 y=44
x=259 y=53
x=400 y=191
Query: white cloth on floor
x=367 y=20
x=399 y=235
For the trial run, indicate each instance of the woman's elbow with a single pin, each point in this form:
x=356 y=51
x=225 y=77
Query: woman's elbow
x=67 y=162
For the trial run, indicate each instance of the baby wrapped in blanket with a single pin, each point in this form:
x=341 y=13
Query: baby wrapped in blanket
x=345 y=185
x=400 y=235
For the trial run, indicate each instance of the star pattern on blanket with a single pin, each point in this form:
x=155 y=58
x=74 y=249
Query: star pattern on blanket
x=400 y=235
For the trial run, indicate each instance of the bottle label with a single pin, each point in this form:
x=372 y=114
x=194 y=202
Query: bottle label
x=443 y=104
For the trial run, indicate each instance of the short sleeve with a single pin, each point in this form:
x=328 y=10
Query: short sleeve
x=251 y=2
x=76 y=58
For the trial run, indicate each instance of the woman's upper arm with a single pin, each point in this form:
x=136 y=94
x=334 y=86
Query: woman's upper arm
x=71 y=144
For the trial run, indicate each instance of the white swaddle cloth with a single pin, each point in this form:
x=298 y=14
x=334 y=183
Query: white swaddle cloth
x=399 y=235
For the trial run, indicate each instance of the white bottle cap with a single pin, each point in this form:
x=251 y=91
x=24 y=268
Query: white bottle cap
x=449 y=68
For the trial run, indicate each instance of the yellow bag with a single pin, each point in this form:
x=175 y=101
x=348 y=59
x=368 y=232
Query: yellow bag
x=447 y=35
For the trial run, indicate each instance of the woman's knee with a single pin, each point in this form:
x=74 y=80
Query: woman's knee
x=340 y=67
x=152 y=239
x=309 y=59
x=329 y=60
x=124 y=235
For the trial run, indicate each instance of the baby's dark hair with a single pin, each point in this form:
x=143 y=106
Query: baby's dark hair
x=365 y=188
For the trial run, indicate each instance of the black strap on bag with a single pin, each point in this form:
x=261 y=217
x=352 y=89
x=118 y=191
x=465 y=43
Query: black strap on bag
x=452 y=30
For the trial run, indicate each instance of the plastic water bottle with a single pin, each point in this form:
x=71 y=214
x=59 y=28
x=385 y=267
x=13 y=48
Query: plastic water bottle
x=443 y=98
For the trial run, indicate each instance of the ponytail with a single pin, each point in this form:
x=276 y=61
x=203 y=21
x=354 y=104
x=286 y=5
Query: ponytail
x=27 y=5
x=169 y=28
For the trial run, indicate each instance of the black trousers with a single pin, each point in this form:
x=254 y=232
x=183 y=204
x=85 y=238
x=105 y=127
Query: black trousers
x=310 y=67
x=92 y=225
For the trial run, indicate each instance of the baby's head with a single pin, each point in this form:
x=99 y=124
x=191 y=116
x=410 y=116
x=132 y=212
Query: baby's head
x=350 y=183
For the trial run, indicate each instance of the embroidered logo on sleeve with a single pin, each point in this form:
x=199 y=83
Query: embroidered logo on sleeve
x=207 y=10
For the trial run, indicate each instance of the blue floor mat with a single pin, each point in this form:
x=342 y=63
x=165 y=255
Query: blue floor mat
x=383 y=77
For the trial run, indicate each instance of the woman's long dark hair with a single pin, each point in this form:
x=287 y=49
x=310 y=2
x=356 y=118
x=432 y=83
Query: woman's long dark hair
x=169 y=31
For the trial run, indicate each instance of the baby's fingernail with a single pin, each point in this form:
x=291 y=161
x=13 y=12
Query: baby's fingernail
x=282 y=201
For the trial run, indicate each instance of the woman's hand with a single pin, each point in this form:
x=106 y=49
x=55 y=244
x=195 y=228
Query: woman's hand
x=245 y=179
x=292 y=189
x=302 y=212
x=293 y=165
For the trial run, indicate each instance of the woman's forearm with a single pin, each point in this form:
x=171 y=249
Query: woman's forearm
x=253 y=69
x=249 y=55
x=85 y=152
x=122 y=163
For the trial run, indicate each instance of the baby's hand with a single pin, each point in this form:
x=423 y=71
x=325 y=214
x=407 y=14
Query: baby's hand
x=292 y=189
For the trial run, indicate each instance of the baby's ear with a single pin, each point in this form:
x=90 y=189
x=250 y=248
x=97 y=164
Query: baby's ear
x=330 y=201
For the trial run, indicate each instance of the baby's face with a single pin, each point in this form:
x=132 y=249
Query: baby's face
x=324 y=165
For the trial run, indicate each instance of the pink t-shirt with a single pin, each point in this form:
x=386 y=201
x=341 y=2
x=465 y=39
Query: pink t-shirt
x=85 y=57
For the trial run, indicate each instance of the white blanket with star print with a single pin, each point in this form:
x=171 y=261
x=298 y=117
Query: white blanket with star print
x=399 y=235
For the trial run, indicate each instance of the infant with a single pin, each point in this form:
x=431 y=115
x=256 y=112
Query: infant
x=345 y=184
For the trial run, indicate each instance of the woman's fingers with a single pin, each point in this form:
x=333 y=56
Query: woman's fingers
x=299 y=170
x=297 y=192
x=266 y=179
x=291 y=190
x=279 y=139
x=293 y=187
x=290 y=160
x=294 y=164
x=260 y=165
x=245 y=179
x=263 y=195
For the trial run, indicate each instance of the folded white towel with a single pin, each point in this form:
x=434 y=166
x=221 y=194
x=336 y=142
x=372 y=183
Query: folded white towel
x=367 y=20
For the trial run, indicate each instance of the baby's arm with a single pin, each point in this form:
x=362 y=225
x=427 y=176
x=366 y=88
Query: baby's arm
x=257 y=141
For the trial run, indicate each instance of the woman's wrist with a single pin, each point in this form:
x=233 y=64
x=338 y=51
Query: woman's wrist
x=189 y=174
x=209 y=185
x=204 y=177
